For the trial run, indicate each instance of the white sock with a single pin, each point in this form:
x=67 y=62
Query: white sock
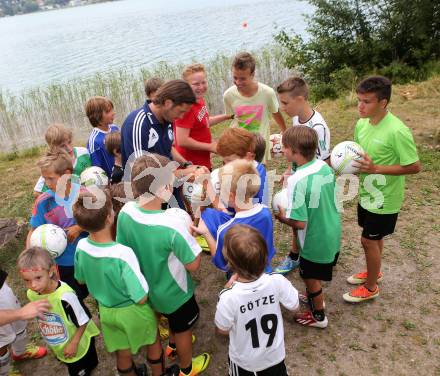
x=5 y=363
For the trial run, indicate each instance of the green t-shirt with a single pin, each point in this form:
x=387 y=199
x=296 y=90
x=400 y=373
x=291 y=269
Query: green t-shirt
x=163 y=245
x=111 y=272
x=81 y=160
x=311 y=192
x=389 y=142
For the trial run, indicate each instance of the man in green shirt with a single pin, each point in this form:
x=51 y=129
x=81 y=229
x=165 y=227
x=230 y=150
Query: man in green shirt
x=390 y=154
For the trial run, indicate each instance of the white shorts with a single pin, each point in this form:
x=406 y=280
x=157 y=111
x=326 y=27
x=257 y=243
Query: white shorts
x=8 y=332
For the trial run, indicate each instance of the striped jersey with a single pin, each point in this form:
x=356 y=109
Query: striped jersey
x=312 y=199
x=98 y=153
x=143 y=133
x=163 y=245
x=111 y=272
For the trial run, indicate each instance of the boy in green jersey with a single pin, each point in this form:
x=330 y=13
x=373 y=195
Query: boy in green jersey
x=166 y=252
x=67 y=327
x=390 y=154
x=312 y=211
x=112 y=274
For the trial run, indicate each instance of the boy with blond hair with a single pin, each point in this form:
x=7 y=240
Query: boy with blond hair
x=249 y=311
x=55 y=207
x=67 y=327
x=239 y=183
x=251 y=102
x=113 y=277
x=193 y=135
x=312 y=211
x=59 y=137
x=101 y=114
x=167 y=253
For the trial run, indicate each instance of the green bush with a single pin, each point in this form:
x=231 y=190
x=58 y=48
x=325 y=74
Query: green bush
x=350 y=38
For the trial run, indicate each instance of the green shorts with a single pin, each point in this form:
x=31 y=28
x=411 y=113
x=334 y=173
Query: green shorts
x=128 y=327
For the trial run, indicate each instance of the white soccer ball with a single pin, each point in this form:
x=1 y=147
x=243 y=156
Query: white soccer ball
x=280 y=199
x=343 y=155
x=193 y=192
x=94 y=176
x=181 y=215
x=215 y=181
x=50 y=237
x=275 y=144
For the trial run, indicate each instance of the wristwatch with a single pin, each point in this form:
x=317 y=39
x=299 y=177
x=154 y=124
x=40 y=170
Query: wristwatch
x=186 y=164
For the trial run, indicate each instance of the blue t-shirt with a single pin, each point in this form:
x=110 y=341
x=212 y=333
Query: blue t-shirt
x=98 y=153
x=46 y=210
x=143 y=132
x=260 y=218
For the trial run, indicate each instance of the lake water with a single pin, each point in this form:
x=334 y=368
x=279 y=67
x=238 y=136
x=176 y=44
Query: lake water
x=42 y=48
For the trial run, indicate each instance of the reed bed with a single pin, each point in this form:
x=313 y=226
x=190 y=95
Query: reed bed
x=24 y=117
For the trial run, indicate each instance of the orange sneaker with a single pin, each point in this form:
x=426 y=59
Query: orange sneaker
x=32 y=352
x=360 y=278
x=171 y=352
x=360 y=294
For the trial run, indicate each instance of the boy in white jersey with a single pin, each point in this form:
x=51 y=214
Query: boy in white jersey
x=113 y=276
x=249 y=310
x=167 y=253
x=293 y=94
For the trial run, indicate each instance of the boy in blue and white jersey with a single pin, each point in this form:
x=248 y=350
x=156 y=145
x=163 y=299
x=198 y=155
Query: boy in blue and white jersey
x=101 y=115
x=239 y=182
x=235 y=143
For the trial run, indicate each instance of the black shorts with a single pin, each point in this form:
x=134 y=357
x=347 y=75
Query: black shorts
x=185 y=317
x=86 y=364
x=376 y=226
x=67 y=275
x=314 y=270
x=276 y=370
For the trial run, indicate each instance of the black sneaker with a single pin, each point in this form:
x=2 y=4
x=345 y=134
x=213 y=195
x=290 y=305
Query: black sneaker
x=172 y=370
x=141 y=370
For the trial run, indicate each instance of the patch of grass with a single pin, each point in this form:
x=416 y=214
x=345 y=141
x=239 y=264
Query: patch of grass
x=408 y=325
x=355 y=346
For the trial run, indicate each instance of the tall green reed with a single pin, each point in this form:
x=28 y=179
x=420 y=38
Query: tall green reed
x=24 y=117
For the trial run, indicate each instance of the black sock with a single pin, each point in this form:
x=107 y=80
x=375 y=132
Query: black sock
x=187 y=370
x=172 y=345
x=294 y=256
x=319 y=314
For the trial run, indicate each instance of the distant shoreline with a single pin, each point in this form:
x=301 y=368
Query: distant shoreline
x=5 y=11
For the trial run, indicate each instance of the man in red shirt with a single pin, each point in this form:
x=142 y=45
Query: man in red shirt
x=192 y=134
